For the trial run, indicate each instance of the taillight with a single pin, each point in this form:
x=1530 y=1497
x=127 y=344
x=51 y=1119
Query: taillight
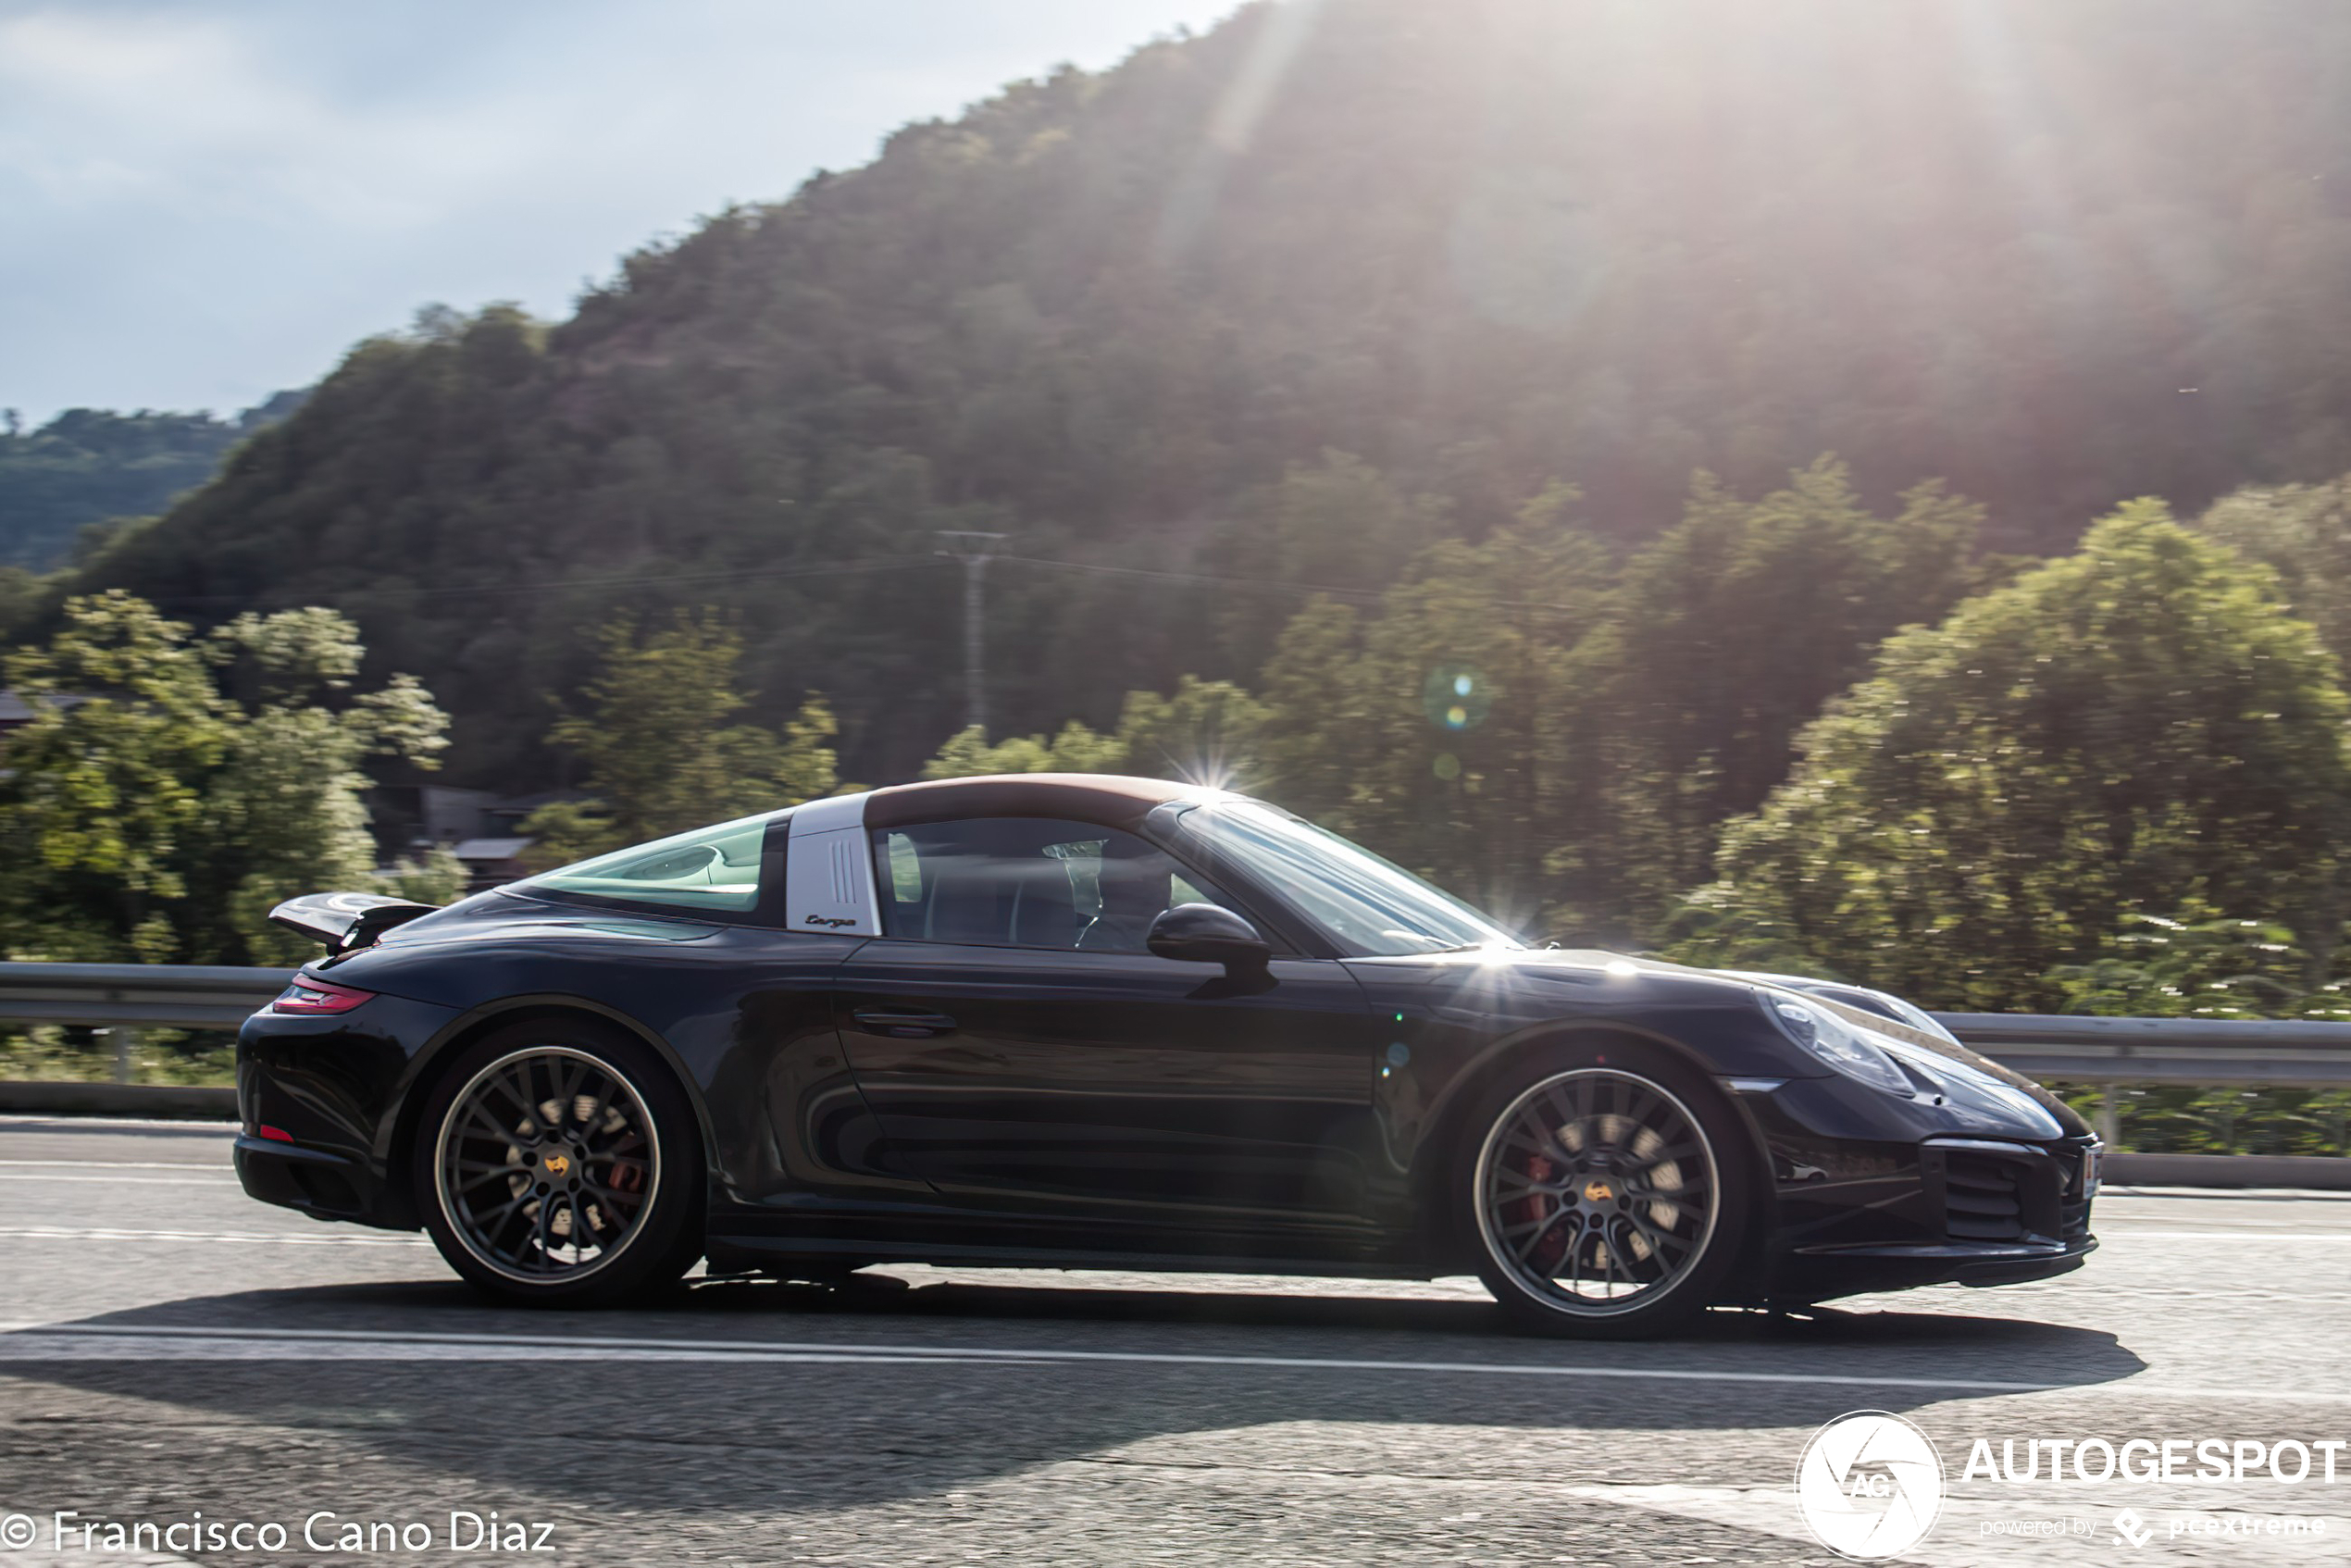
x=307 y=994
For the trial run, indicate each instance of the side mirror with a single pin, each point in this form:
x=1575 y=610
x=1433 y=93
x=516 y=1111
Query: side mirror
x=1202 y=933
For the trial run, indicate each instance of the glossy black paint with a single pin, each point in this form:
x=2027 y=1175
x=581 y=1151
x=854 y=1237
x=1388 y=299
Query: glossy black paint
x=872 y=1098
x=1118 y=1088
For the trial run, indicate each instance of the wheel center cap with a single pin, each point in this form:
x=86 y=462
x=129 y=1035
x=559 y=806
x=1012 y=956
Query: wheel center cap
x=558 y=1165
x=1597 y=1190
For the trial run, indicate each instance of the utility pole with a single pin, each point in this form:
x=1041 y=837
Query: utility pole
x=973 y=550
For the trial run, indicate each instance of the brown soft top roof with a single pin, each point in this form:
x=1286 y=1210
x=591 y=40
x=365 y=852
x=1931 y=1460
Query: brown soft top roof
x=1112 y=800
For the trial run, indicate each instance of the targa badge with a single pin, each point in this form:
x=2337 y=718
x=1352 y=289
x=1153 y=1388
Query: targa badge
x=1869 y=1485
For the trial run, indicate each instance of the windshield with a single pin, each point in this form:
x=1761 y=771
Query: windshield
x=1375 y=910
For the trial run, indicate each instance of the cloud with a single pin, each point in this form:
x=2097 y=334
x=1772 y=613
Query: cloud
x=210 y=201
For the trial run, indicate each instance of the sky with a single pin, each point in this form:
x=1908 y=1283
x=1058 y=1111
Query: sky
x=202 y=204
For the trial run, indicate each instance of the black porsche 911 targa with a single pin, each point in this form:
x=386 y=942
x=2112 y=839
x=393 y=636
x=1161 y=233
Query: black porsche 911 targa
x=1085 y=1021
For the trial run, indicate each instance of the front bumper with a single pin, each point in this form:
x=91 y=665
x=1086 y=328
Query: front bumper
x=1822 y=1274
x=1860 y=1208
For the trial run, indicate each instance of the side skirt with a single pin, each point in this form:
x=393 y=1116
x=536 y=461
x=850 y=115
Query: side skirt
x=731 y=1253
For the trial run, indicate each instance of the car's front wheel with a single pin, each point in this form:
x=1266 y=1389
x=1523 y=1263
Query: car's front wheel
x=558 y=1163
x=1603 y=1192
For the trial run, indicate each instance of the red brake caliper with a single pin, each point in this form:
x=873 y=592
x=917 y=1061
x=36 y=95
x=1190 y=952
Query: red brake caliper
x=1538 y=1206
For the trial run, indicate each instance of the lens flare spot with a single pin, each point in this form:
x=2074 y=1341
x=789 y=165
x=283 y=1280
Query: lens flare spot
x=1456 y=697
x=1447 y=766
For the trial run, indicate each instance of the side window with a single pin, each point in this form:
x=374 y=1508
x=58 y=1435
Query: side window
x=1027 y=882
x=709 y=868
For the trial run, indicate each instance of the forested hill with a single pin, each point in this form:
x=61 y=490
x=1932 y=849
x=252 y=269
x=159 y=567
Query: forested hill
x=2055 y=255
x=92 y=465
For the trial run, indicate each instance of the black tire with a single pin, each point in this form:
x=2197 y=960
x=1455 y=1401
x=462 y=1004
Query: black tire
x=1602 y=1188
x=558 y=1163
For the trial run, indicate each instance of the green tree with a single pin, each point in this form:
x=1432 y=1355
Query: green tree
x=1439 y=731
x=2303 y=533
x=968 y=753
x=1728 y=635
x=1339 y=523
x=169 y=788
x=1204 y=732
x=284 y=813
x=2137 y=726
x=2200 y=966
x=658 y=752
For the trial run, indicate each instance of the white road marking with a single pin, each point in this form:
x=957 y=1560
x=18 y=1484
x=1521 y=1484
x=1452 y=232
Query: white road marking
x=2251 y=1232
x=221 y=1166
x=205 y=1178
x=172 y=1342
x=193 y=1127
x=80 y=1233
x=47 y=1347
x=157 y=1341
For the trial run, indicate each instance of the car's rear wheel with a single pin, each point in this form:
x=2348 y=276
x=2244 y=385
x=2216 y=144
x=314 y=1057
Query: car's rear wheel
x=1604 y=1191
x=558 y=1163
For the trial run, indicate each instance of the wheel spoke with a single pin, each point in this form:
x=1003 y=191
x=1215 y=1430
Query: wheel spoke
x=611 y=1199
x=519 y=1096
x=1512 y=1191
x=1541 y=1228
x=1566 y=1113
x=1683 y=1150
x=1694 y=1187
x=1656 y=1237
x=592 y=1126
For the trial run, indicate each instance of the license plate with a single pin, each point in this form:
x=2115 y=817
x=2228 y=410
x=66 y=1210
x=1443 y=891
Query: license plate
x=2091 y=1158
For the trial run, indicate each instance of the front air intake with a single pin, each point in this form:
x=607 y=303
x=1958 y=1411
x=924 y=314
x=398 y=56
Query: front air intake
x=1982 y=1198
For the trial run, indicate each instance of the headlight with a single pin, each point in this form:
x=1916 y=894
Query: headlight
x=1835 y=1041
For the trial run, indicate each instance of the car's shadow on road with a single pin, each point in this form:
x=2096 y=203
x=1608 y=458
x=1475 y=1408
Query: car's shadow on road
x=728 y=1395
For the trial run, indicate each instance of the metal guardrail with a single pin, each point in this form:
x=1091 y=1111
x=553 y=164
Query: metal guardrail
x=2278 y=1053
x=121 y=999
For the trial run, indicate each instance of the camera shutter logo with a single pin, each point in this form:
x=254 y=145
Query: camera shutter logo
x=1869 y=1485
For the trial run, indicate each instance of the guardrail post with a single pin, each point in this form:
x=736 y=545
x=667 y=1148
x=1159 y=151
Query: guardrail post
x=126 y=1043
x=2110 y=1117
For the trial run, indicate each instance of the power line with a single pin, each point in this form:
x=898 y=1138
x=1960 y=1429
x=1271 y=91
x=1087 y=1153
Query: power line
x=1366 y=595
x=840 y=568
x=565 y=585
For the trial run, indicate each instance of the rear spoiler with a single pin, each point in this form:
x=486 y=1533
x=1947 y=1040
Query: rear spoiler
x=345 y=921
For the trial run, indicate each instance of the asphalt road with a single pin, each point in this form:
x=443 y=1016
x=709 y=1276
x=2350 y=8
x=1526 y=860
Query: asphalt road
x=170 y=1348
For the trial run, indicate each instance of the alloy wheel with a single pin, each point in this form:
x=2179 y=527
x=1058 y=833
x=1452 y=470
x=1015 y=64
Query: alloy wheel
x=1596 y=1192
x=547 y=1165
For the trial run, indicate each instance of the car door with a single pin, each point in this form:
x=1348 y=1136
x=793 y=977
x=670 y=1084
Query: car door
x=1023 y=1052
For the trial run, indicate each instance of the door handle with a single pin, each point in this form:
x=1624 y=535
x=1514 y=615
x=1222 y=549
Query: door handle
x=905 y=1026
